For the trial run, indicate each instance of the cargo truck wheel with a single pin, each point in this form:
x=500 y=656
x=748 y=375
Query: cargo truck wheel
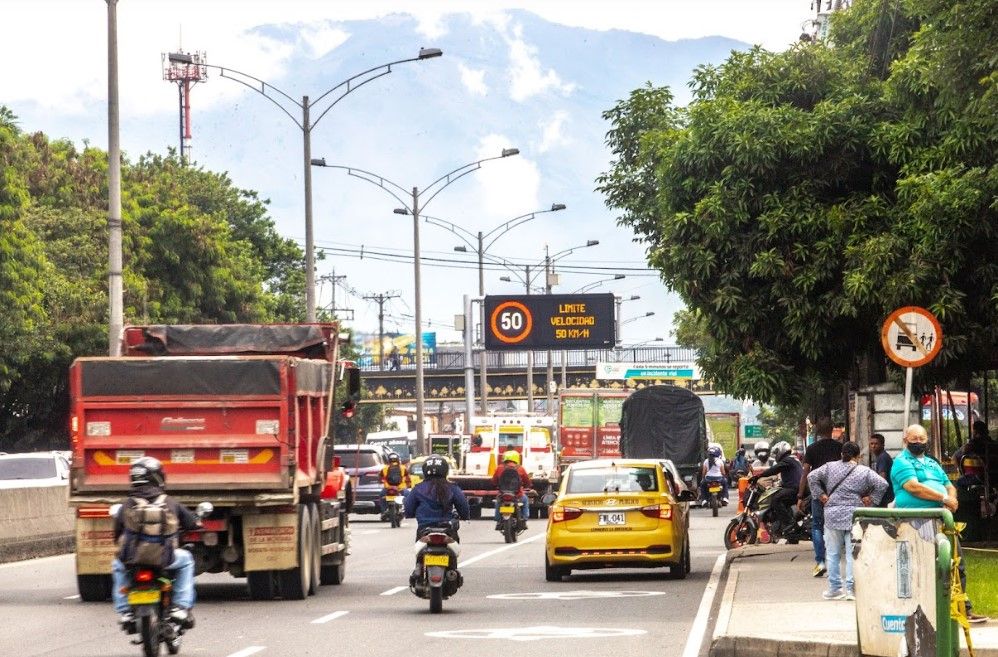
x=315 y=563
x=94 y=588
x=295 y=582
x=261 y=584
x=476 y=511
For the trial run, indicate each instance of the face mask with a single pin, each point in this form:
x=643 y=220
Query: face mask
x=917 y=449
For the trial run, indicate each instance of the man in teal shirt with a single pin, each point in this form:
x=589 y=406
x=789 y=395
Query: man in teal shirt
x=920 y=483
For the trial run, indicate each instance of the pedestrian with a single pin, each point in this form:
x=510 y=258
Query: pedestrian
x=881 y=464
x=841 y=486
x=394 y=362
x=921 y=483
x=821 y=451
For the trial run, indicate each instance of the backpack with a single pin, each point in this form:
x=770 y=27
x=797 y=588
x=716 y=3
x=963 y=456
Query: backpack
x=509 y=480
x=394 y=475
x=150 y=535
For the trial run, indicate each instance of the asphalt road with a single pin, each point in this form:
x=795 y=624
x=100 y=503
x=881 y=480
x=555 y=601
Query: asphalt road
x=629 y=612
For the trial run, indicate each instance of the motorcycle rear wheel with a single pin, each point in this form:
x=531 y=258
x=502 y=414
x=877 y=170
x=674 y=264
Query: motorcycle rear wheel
x=150 y=636
x=739 y=532
x=436 y=599
x=509 y=530
x=714 y=505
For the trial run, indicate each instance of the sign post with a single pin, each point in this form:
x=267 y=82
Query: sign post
x=911 y=337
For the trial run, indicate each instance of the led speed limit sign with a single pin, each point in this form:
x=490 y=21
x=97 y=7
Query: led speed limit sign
x=511 y=322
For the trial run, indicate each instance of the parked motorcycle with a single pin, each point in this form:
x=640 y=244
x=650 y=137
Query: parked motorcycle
x=757 y=522
x=510 y=523
x=149 y=595
x=393 y=507
x=436 y=577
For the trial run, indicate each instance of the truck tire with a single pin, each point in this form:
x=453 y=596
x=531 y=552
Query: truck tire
x=261 y=584
x=476 y=511
x=94 y=588
x=315 y=563
x=295 y=582
x=336 y=572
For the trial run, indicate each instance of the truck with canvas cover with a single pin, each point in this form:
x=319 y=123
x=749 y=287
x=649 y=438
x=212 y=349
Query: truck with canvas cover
x=589 y=424
x=240 y=416
x=491 y=436
x=665 y=422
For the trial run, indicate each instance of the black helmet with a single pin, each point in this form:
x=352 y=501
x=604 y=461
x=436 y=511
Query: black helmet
x=147 y=471
x=435 y=467
x=393 y=458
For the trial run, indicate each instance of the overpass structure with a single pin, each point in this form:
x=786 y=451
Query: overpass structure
x=507 y=373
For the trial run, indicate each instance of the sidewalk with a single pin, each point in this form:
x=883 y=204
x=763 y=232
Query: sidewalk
x=771 y=606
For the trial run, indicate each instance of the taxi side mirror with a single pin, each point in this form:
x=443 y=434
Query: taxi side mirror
x=687 y=496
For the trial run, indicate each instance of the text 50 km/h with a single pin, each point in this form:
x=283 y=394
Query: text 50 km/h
x=571 y=334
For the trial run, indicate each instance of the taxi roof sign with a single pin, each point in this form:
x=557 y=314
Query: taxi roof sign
x=911 y=336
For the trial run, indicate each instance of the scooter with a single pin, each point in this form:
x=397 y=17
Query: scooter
x=510 y=523
x=436 y=577
x=393 y=501
x=149 y=595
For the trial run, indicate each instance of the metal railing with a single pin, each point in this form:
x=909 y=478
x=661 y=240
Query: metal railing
x=445 y=359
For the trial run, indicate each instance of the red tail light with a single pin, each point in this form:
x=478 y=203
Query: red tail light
x=437 y=539
x=348 y=409
x=143 y=576
x=563 y=513
x=508 y=498
x=661 y=511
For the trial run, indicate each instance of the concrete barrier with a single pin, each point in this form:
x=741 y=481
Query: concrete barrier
x=35 y=522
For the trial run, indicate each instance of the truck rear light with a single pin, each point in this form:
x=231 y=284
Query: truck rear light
x=563 y=513
x=660 y=511
x=93 y=511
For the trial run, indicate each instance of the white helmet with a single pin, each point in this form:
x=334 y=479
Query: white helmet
x=780 y=449
x=761 y=450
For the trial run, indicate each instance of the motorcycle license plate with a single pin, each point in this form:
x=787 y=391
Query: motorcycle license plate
x=714 y=489
x=399 y=499
x=436 y=560
x=146 y=597
x=612 y=519
x=506 y=509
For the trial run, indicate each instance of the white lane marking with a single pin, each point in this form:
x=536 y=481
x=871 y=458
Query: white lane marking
x=245 y=652
x=574 y=595
x=486 y=555
x=727 y=600
x=699 y=627
x=72 y=597
x=329 y=617
x=395 y=590
x=537 y=633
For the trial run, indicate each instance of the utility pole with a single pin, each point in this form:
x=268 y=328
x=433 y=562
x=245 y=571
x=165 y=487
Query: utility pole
x=550 y=374
x=381 y=299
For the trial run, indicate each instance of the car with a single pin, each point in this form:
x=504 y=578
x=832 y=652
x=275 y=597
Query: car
x=33 y=470
x=621 y=513
x=364 y=463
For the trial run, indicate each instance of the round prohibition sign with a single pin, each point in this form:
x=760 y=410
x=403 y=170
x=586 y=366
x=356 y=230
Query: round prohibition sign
x=911 y=336
x=511 y=322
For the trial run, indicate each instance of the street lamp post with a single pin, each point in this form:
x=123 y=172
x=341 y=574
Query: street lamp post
x=116 y=321
x=306 y=124
x=413 y=206
x=477 y=243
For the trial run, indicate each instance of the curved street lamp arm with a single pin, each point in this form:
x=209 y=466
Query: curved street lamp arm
x=372 y=178
x=454 y=228
x=449 y=178
x=508 y=226
x=262 y=89
x=348 y=83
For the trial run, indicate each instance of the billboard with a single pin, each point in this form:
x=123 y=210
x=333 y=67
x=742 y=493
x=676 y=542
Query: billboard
x=549 y=321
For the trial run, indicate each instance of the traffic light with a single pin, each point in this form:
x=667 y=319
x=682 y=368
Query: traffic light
x=348 y=408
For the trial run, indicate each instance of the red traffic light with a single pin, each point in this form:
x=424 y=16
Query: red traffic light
x=348 y=408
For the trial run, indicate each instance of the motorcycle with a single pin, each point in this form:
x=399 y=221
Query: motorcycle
x=149 y=595
x=713 y=500
x=510 y=523
x=436 y=577
x=393 y=500
x=757 y=522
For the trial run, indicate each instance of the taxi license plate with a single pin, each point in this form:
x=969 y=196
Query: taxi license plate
x=147 y=597
x=506 y=509
x=436 y=560
x=612 y=519
x=714 y=489
x=399 y=499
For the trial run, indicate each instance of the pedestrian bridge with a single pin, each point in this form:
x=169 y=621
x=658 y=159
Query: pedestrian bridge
x=443 y=373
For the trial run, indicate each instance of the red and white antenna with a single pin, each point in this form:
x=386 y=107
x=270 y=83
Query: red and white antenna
x=186 y=69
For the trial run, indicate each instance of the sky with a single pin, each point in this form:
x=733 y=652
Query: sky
x=524 y=92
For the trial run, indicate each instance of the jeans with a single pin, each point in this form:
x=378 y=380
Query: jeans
x=837 y=543
x=818 y=530
x=524 y=507
x=704 y=494
x=183 y=581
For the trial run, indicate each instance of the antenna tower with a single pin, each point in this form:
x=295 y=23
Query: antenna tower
x=186 y=69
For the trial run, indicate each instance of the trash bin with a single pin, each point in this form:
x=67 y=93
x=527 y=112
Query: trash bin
x=902 y=570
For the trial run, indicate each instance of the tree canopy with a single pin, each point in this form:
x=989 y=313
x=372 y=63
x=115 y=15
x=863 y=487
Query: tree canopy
x=803 y=195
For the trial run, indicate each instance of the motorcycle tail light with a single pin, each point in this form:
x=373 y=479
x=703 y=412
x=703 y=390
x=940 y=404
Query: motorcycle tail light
x=437 y=539
x=563 y=513
x=143 y=576
x=507 y=498
x=660 y=511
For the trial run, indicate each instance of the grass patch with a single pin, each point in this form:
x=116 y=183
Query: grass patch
x=982 y=580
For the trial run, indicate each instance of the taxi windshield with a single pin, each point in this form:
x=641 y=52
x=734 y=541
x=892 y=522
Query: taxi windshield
x=612 y=480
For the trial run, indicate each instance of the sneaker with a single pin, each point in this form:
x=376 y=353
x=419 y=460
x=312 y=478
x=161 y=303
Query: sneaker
x=127 y=622
x=849 y=596
x=834 y=595
x=724 y=502
x=499 y=525
x=819 y=570
x=179 y=614
x=977 y=618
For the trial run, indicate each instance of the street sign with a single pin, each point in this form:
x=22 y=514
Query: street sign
x=754 y=431
x=661 y=371
x=911 y=336
x=549 y=321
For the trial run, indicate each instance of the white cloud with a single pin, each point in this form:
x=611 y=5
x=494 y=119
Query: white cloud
x=323 y=38
x=473 y=79
x=551 y=132
x=429 y=22
x=527 y=76
x=510 y=186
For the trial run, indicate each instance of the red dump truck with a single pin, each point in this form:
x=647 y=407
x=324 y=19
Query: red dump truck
x=240 y=416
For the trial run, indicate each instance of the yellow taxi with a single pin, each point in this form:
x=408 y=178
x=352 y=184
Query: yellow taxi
x=622 y=513
x=415 y=467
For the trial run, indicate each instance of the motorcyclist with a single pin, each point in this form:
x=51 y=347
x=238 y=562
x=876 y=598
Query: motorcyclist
x=147 y=481
x=790 y=471
x=713 y=471
x=503 y=478
x=394 y=475
x=433 y=500
x=762 y=461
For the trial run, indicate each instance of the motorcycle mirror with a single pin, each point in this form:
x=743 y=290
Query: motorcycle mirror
x=548 y=499
x=204 y=509
x=113 y=510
